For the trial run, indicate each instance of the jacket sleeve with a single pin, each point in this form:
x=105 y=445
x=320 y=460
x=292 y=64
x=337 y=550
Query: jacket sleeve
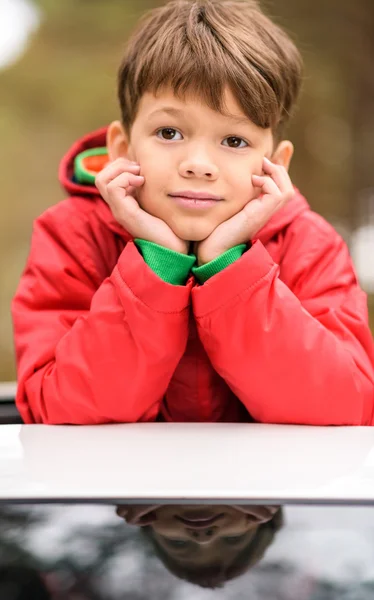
x=91 y=348
x=297 y=349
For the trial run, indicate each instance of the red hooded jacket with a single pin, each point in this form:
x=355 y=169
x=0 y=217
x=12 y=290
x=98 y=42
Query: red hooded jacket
x=279 y=336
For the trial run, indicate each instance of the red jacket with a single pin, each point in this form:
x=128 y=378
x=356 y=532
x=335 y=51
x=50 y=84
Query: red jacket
x=279 y=336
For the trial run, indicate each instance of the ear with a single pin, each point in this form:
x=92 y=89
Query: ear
x=283 y=153
x=117 y=141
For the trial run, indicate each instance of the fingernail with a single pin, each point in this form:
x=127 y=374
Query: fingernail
x=267 y=160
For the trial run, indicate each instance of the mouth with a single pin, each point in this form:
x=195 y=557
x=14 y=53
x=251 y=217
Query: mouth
x=194 y=199
x=199 y=522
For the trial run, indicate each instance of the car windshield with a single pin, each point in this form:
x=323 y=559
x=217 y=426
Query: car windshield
x=110 y=552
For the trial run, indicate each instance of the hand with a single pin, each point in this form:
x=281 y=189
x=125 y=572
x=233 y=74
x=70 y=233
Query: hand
x=137 y=515
x=257 y=514
x=117 y=184
x=276 y=190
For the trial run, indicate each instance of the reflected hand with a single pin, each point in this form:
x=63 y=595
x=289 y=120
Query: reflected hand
x=258 y=514
x=137 y=515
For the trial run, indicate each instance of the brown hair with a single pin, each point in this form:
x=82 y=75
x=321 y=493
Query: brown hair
x=205 y=45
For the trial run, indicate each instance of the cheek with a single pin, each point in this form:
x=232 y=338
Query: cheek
x=167 y=528
x=155 y=173
x=241 y=192
x=240 y=183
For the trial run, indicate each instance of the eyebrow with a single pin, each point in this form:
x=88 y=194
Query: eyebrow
x=176 y=112
x=170 y=110
x=239 y=120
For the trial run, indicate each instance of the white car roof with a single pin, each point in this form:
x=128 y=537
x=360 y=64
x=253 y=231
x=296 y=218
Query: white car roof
x=187 y=462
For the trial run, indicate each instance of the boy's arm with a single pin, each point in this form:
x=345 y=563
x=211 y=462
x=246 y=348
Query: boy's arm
x=92 y=349
x=296 y=350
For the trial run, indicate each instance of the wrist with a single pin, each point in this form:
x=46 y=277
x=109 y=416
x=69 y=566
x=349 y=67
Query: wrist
x=180 y=246
x=206 y=271
x=171 y=266
x=202 y=258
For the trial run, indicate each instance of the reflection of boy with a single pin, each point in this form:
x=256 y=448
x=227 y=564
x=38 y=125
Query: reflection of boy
x=207 y=545
x=203 y=288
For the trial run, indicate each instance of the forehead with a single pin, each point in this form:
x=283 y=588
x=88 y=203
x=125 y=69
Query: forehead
x=166 y=102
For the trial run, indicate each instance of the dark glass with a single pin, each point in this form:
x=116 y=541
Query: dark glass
x=102 y=552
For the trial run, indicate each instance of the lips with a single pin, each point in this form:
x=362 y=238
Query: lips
x=195 y=200
x=195 y=195
x=199 y=522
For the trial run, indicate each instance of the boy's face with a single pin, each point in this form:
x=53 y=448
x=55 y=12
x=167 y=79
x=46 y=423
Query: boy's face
x=186 y=148
x=198 y=536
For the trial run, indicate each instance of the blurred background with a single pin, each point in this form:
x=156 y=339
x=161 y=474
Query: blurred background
x=58 y=65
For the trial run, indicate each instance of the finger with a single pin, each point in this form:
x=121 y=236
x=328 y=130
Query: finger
x=122 y=160
x=124 y=181
x=267 y=185
x=120 y=187
x=279 y=174
x=130 y=190
x=119 y=165
x=141 y=515
x=122 y=510
x=110 y=175
x=259 y=511
x=112 y=170
x=124 y=206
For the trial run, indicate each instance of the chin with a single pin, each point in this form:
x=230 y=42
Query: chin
x=193 y=232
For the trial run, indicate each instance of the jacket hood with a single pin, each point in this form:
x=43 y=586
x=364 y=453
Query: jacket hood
x=97 y=139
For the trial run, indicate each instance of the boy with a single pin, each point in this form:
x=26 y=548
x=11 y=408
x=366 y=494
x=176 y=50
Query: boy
x=207 y=545
x=199 y=285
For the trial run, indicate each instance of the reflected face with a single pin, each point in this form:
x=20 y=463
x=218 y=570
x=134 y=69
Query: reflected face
x=200 y=535
x=185 y=147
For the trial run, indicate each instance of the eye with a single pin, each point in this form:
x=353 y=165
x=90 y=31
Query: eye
x=235 y=142
x=233 y=540
x=169 y=133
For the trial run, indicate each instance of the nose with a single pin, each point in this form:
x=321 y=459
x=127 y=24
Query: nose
x=203 y=535
x=199 y=166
